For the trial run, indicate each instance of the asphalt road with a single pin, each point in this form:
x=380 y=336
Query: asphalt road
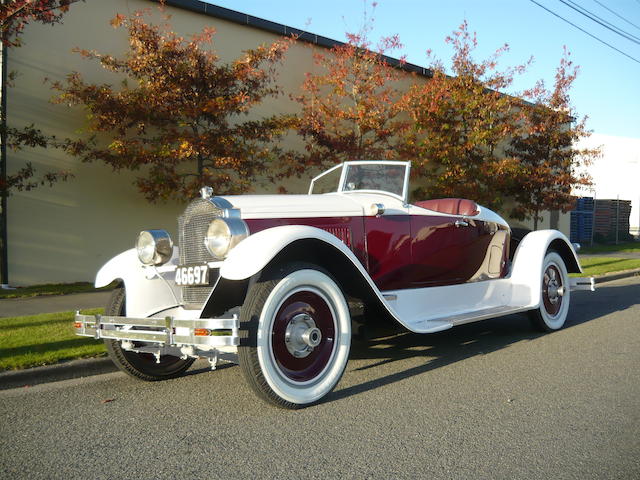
x=490 y=400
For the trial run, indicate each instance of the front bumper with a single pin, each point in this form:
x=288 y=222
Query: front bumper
x=162 y=331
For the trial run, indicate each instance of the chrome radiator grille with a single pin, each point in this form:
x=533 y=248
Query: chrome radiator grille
x=192 y=225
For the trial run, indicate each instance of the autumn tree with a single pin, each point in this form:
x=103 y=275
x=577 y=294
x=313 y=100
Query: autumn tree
x=549 y=162
x=179 y=115
x=349 y=108
x=15 y=15
x=462 y=120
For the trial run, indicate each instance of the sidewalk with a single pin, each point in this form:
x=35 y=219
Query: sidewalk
x=18 y=307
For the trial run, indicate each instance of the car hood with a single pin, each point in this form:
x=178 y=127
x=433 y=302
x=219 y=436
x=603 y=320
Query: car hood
x=292 y=206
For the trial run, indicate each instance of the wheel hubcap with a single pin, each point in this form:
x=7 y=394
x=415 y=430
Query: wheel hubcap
x=302 y=336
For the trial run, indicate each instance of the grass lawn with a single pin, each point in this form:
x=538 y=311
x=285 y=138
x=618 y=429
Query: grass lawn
x=43 y=339
x=600 y=265
x=51 y=289
x=629 y=247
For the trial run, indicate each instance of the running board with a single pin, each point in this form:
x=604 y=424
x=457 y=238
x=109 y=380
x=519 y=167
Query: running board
x=444 y=323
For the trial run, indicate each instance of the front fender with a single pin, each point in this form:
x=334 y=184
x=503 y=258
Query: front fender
x=254 y=253
x=148 y=290
x=529 y=258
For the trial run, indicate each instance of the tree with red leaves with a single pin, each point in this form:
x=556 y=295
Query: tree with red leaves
x=461 y=121
x=177 y=117
x=16 y=14
x=549 y=162
x=350 y=108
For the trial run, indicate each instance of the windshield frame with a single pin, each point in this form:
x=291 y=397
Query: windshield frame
x=343 y=177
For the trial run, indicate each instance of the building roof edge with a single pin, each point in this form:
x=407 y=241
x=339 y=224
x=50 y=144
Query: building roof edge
x=279 y=29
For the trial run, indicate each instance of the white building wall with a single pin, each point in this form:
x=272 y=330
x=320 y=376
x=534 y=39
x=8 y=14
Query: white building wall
x=617 y=173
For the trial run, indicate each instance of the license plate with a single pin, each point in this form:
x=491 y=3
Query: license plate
x=192 y=275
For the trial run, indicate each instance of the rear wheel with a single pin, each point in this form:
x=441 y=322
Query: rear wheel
x=297 y=335
x=140 y=365
x=555 y=295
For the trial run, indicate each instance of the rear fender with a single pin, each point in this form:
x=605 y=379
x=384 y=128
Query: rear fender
x=149 y=290
x=528 y=261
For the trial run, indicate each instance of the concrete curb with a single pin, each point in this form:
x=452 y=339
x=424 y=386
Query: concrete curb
x=96 y=366
x=608 y=277
x=83 y=367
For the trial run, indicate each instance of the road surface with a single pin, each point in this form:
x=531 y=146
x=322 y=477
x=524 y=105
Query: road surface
x=488 y=400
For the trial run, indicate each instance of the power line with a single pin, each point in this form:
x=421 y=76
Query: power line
x=619 y=16
x=604 y=23
x=584 y=31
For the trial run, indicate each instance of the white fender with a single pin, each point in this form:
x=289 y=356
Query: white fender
x=148 y=291
x=528 y=262
x=256 y=251
x=252 y=254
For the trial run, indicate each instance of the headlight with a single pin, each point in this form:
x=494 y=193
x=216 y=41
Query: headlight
x=154 y=247
x=223 y=234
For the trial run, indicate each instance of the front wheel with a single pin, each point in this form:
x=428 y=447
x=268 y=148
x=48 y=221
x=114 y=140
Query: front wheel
x=554 y=304
x=140 y=365
x=297 y=335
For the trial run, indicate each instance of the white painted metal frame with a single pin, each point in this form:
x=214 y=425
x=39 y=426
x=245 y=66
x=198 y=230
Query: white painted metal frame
x=345 y=168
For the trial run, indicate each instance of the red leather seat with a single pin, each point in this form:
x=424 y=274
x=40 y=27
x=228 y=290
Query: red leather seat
x=452 y=206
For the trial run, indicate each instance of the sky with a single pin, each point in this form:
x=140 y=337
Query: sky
x=607 y=89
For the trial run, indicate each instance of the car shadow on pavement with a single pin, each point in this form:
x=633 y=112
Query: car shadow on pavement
x=389 y=345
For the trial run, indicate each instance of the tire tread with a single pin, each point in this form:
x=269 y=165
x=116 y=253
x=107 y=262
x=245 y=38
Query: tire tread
x=115 y=306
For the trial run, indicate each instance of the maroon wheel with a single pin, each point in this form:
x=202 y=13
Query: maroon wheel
x=303 y=336
x=552 y=290
x=554 y=293
x=298 y=334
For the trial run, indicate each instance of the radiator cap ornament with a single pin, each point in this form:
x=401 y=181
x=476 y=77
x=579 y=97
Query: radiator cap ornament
x=206 y=192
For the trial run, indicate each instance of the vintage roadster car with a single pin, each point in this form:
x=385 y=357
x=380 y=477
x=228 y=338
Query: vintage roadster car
x=265 y=280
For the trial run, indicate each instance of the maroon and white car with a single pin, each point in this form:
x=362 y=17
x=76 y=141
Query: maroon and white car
x=264 y=279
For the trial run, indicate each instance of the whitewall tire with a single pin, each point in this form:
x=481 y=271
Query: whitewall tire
x=555 y=295
x=296 y=331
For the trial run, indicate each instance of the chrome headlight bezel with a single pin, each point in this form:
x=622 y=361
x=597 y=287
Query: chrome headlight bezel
x=154 y=247
x=223 y=234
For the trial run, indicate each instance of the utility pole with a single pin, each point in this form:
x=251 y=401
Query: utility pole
x=4 y=250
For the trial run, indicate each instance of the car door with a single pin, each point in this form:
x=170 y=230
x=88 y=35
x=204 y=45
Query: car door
x=452 y=249
x=388 y=243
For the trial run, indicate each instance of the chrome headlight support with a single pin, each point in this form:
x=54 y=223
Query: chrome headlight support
x=154 y=247
x=223 y=234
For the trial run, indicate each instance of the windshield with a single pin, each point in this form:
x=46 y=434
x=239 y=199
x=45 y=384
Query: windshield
x=385 y=178
x=364 y=176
